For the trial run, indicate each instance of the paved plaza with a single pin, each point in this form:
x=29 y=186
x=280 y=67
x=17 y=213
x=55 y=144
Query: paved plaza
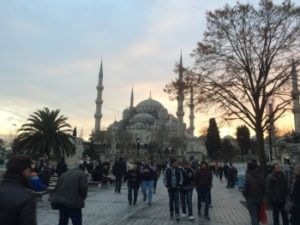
x=104 y=207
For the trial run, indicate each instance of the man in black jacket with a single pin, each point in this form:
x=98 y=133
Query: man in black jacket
x=277 y=191
x=69 y=195
x=119 y=170
x=173 y=181
x=253 y=191
x=17 y=204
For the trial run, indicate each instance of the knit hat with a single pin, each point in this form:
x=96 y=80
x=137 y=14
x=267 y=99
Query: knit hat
x=17 y=164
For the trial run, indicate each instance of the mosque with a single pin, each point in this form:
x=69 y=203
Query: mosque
x=149 y=129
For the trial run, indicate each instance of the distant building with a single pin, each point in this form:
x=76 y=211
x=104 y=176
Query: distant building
x=148 y=129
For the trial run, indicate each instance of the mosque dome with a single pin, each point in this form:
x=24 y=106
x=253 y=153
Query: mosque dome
x=149 y=105
x=142 y=118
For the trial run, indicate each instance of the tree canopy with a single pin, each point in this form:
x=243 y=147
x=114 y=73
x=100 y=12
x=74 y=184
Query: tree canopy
x=243 y=139
x=213 y=140
x=244 y=61
x=45 y=133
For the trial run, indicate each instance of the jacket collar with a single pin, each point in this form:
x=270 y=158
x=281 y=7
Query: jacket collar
x=15 y=179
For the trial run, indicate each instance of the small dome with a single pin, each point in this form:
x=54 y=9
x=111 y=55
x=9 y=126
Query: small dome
x=142 y=118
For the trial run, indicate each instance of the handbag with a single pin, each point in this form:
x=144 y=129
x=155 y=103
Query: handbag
x=263 y=218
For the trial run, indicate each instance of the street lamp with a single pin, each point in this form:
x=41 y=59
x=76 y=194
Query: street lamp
x=137 y=140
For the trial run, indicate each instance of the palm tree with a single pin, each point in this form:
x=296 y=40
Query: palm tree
x=46 y=133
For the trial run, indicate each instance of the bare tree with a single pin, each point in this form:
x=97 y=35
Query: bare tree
x=244 y=61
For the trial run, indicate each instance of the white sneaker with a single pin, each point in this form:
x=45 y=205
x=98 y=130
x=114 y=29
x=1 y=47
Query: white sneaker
x=191 y=218
x=183 y=215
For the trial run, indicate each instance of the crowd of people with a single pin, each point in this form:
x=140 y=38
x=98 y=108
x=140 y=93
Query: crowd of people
x=181 y=178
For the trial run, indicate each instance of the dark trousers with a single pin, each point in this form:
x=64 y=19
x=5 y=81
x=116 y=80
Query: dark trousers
x=133 y=189
x=118 y=184
x=203 y=196
x=74 y=214
x=186 y=196
x=254 y=208
x=173 y=201
x=155 y=185
x=221 y=176
x=278 y=207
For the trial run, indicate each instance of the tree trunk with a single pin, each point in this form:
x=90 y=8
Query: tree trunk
x=261 y=148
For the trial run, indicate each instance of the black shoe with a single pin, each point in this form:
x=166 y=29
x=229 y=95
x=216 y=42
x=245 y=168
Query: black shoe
x=144 y=198
x=149 y=203
x=177 y=218
x=134 y=203
x=207 y=217
x=129 y=203
x=199 y=213
x=171 y=215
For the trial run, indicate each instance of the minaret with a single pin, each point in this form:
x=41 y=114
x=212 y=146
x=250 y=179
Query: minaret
x=180 y=99
x=192 y=116
x=99 y=101
x=295 y=94
x=131 y=99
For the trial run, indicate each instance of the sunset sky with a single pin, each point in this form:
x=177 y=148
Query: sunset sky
x=51 y=51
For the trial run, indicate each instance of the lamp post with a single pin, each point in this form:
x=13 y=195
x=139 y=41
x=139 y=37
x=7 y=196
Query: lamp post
x=137 y=140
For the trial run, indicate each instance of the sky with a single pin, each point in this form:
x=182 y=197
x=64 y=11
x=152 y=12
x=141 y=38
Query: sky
x=51 y=52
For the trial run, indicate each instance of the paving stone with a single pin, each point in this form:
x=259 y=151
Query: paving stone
x=104 y=207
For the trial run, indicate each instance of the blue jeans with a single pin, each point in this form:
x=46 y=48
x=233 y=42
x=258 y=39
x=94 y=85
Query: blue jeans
x=186 y=200
x=253 y=208
x=74 y=214
x=203 y=196
x=173 y=201
x=148 y=187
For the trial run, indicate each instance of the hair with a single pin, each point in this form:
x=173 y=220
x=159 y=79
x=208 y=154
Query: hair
x=172 y=161
x=202 y=163
x=17 y=164
x=251 y=166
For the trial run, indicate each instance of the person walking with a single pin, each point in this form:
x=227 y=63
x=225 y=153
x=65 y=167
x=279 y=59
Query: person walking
x=221 y=171
x=17 y=204
x=253 y=191
x=133 y=178
x=148 y=176
x=69 y=196
x=277 y=192
x=173 y=180
x=186 y=191
x=203 y=184
x=295 y=197
x=119 y=170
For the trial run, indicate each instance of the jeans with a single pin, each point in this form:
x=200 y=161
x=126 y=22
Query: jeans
x=203 y=196
x=173 y=201
x=278 y=207
x=148 y=187
x=186 y=200
x=74 y=214
x=135 y=189
x=254 y=208
x=118 y=184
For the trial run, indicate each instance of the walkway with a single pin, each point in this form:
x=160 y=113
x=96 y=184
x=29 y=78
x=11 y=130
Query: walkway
x=103 y=207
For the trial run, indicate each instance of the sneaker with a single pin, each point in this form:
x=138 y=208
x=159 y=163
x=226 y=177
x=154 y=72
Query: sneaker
x=183 y=215
x=191 y=218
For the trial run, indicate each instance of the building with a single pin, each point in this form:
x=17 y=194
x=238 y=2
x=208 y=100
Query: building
x=148 y=129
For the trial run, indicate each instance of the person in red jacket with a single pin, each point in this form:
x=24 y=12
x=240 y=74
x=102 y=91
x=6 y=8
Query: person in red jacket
x=203 y=184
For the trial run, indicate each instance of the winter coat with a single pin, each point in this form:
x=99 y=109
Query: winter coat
x=254 y=188
x=188 y=178
x=295 y=197
x=133 y=177
x=17 y=204
x=71 y=189
x=148 y=173
x=276 y=187
x=119 y=168
x=203 y=178
x=168 y=178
